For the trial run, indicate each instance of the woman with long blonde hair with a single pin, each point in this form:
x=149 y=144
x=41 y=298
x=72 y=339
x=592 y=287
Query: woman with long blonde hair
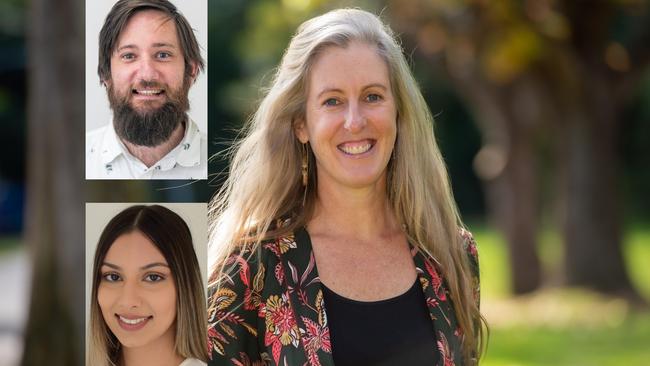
x=336 y=239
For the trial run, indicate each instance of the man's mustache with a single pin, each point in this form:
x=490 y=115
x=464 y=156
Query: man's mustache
x=149 y=84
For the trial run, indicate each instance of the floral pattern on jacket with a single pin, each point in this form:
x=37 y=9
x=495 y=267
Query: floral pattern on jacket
x=269 y=310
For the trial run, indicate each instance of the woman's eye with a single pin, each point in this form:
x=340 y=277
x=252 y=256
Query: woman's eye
x=111 y=277
x=373 y=97
x=331 y=102
x=153 y=277
x=128 y=56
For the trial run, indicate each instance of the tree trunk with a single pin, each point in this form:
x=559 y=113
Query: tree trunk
x=54 y=212
x=593 y=250
x=514 y=193
x=508 y=118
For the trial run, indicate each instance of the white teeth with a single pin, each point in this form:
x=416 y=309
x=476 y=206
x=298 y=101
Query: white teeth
x=354 y=150
x=132 y=321
x=149 y=92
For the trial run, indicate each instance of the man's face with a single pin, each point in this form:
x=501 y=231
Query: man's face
x=148 y=86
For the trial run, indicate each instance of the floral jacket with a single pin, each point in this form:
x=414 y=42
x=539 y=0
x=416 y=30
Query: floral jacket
x=270 y=309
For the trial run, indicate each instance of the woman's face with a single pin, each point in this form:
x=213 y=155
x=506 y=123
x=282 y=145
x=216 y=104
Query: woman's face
x=136 y=293
x=350 y=116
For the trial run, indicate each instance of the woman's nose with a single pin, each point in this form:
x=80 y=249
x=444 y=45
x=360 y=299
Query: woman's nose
x=130 y=295
x=354 y=119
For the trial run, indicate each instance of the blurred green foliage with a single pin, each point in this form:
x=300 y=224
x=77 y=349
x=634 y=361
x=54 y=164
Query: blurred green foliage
x=9 y=244
x=12 y=17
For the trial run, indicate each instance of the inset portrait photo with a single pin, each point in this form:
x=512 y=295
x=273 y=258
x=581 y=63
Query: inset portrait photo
x=146 y=284
x=146 y=89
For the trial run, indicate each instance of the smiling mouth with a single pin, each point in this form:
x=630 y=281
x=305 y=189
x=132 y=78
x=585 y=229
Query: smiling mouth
x=132 y=323
x=356 y=148
x=148 y=92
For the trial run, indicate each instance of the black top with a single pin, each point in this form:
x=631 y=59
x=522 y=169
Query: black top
x=396 y=331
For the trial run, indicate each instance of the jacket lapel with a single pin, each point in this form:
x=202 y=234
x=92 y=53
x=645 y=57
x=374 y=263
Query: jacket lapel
x=305 y=295
x=440 y=308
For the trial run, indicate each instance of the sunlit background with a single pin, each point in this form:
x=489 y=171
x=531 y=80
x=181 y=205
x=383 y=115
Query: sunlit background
x=542 y=112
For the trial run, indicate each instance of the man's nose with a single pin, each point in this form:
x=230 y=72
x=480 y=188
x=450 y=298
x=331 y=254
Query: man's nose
x=147 y=69
x=354 y=118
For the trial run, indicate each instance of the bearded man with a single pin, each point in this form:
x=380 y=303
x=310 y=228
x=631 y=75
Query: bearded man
x=148 y=60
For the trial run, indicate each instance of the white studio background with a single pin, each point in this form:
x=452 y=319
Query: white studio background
x=98 y=215
x=98 y=112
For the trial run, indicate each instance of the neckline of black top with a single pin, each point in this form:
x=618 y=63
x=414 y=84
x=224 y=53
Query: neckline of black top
x=407 y=293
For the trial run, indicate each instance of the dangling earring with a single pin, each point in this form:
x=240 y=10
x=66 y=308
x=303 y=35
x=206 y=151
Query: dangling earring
x=305 y=163
x=305 y=171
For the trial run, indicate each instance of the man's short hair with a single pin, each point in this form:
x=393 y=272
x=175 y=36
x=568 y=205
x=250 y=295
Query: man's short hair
x=121 y=13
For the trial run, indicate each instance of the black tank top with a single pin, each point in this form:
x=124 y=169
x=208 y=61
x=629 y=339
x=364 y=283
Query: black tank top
x=396 y=331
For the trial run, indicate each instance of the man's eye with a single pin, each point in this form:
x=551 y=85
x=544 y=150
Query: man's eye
x=164 y=55
x=331 y=102
x=111 y=277
x=128 y=56
x=153 y=277
x=373 y=97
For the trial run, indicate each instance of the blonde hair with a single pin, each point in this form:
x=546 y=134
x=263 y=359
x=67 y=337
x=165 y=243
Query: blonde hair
x=419 y=191
x=171 y=235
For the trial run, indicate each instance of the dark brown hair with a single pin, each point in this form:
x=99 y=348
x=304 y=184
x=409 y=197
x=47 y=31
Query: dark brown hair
x=171 y=235
x=121 y=13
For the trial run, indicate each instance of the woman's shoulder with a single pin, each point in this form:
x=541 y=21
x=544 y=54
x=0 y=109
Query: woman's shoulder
x=236 y=294
x=247 y=265
x=192 y=362
x=276 y=240
x=469 y=244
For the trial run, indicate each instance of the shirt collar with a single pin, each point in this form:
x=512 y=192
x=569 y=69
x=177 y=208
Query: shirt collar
x=187 y=153
x=111 y=146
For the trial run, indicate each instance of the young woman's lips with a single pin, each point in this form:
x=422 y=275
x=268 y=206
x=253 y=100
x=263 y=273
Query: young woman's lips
x=132 y=323
x=355 y=148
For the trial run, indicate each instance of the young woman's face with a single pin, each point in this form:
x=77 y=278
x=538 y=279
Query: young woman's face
x=350 y=116
x=136 y=293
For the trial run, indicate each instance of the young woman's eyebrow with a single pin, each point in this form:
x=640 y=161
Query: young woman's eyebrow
x=150 y=265
x=114 y=266
x=156 y=264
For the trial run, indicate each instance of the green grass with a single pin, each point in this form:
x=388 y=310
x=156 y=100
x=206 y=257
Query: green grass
x=562 y=326
x=624 y=344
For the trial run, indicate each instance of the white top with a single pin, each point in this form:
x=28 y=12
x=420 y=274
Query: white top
x=108 y=158
x=192 y=362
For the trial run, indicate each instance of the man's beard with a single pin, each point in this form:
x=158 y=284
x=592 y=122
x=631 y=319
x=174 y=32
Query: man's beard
x=149 y=126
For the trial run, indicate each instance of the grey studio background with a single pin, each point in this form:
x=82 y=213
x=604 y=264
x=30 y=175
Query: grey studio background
x=98 y=112
x=99 y=214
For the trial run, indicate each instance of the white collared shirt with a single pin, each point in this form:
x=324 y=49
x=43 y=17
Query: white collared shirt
x=192 y=362
x=108 y=158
